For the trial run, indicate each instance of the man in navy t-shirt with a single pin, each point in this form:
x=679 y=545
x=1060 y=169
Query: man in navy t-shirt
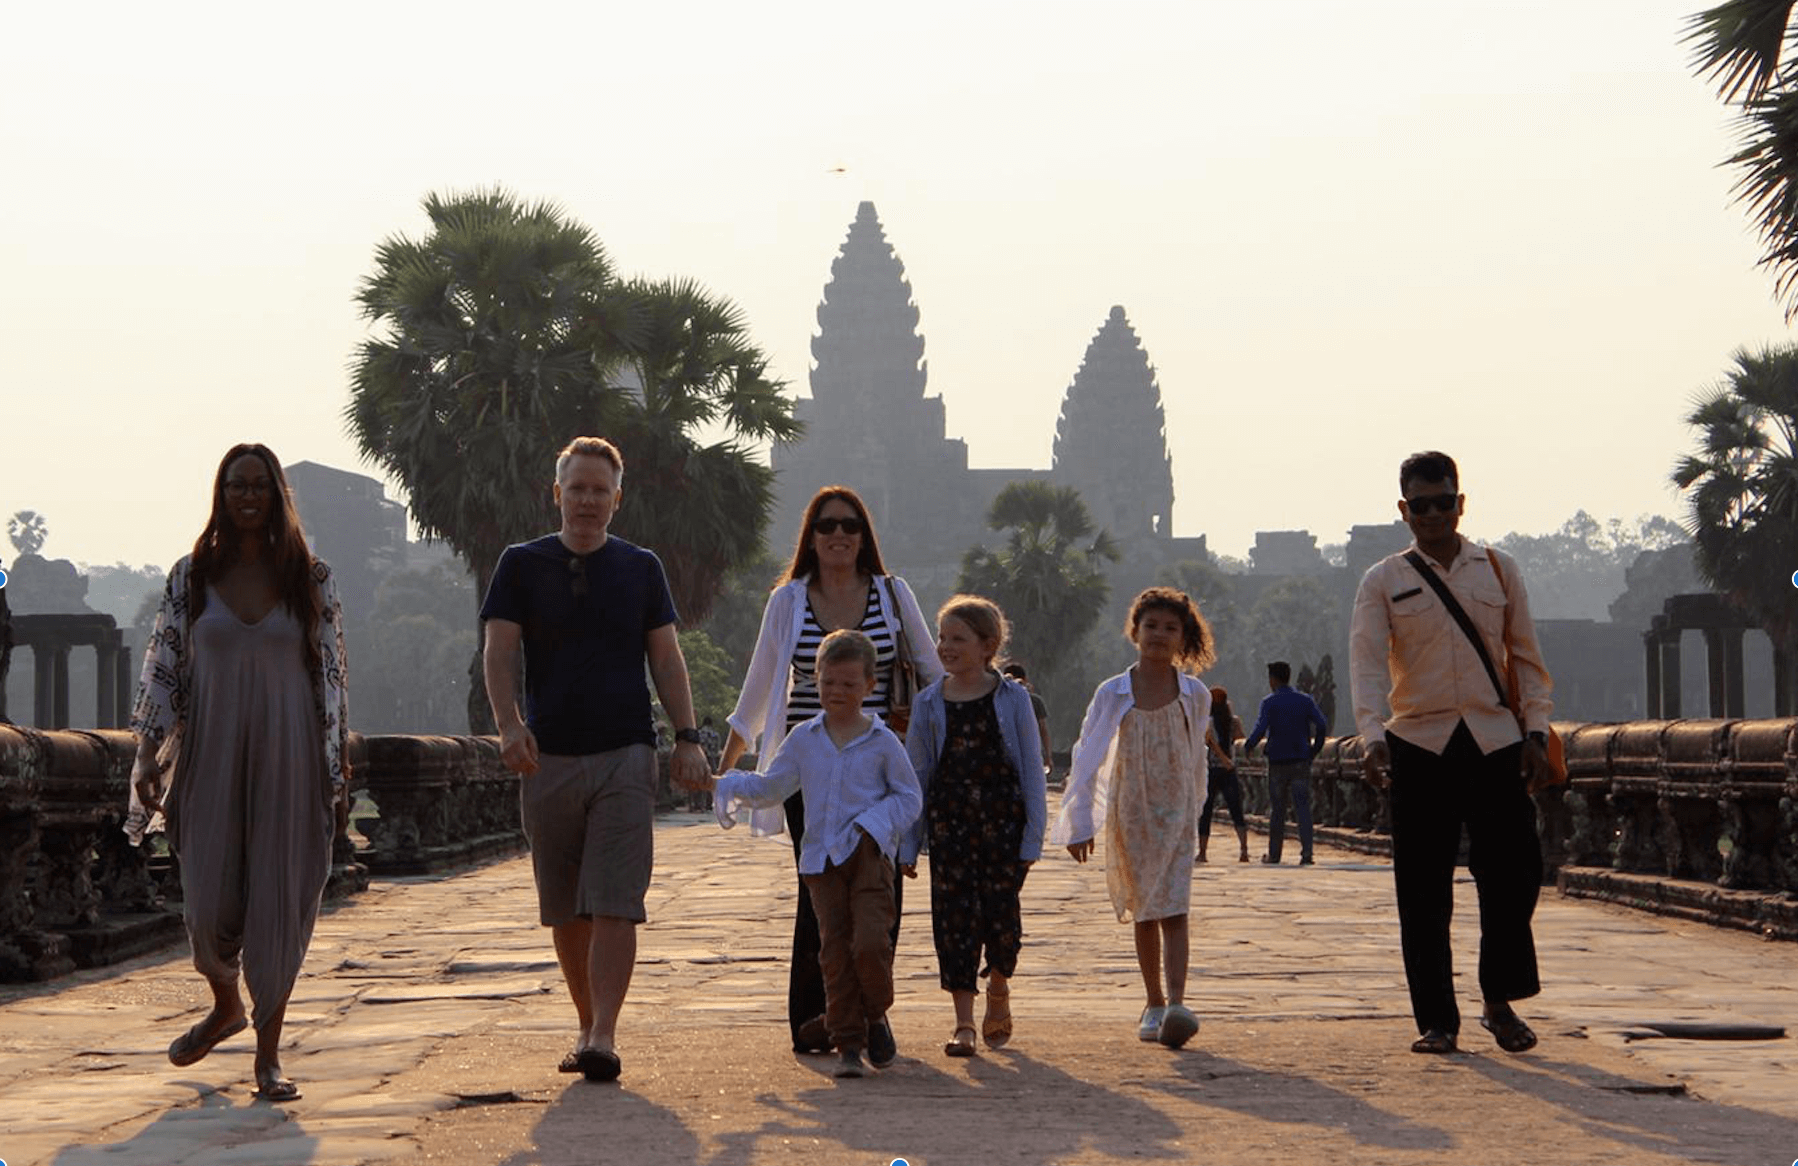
x=588 y=610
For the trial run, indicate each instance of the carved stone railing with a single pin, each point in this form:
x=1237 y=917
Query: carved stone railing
x=75 y=893
x=1693 y=818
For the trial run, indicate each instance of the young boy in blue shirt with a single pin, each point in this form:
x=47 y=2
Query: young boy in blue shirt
x=861 y=797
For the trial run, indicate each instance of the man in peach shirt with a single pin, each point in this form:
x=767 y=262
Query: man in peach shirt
x=1452 y=753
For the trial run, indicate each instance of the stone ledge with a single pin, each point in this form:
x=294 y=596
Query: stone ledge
x=1773 y=914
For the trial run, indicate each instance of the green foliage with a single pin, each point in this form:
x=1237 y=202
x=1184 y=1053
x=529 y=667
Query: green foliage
x=1049 y=576
x=1576 y=571
x=1742 y=487
x=712 y=676
x=736 y=617
x=412 y=677
x=1738 y=45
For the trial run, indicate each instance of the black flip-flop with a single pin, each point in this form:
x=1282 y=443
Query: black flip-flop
x=570 y=1063
x=1436 y=1041
x=599 y=1064
x=277 y=1089
x=1511 y=1033
x=190 y=1047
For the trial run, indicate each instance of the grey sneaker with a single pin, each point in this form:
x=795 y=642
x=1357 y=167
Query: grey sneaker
x=849 y=1063
x=1178 y=1026
x=1148 y=1029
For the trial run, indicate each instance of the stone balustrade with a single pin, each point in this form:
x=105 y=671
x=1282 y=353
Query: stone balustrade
x=1697 y=818
x=1694 y=818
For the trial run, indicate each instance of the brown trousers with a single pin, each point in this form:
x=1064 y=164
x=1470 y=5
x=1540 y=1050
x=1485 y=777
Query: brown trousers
x=854 y=902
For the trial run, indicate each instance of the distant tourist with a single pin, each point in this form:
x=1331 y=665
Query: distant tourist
x=864 y=799
x=588 y=609
x=242 y=708
x=1138 y=775
x=1221 y=735
x=974 y=743
x=836 y=581
x=1452 y=753
x=1016 y=671
x=1294 y=727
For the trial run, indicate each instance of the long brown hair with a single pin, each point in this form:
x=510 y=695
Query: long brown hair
x=805 y=555
x=289 y=558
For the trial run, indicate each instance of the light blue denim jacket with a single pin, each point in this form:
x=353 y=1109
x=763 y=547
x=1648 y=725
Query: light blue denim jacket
x=1023 y=746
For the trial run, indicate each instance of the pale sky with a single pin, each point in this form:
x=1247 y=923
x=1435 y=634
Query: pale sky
x=1342 y=231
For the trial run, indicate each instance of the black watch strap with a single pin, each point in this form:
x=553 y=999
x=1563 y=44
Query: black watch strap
x=688 y=737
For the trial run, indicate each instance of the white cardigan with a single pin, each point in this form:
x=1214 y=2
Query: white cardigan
x=1088 y=793
x=761 y=710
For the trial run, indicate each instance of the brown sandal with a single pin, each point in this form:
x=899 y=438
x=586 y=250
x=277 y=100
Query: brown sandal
x=958 y=1045
x=995 y=1026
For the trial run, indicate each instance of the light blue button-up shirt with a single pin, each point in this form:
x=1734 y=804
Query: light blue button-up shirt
x=868 y=783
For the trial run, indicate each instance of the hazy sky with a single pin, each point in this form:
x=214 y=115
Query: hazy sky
x=1342 y=231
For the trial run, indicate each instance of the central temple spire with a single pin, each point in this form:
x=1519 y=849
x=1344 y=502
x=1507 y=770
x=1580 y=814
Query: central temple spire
x=867 y=352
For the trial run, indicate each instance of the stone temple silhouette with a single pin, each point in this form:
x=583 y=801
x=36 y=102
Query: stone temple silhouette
x=870 y=424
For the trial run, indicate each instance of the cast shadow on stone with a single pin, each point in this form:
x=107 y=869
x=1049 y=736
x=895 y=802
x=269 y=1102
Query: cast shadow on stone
x=1653 y=1115
x=590 y=1123
x=1205 y=1079
x=214 y=1123
x=917 y=1110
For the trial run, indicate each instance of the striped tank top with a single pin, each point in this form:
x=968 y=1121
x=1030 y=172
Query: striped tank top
x=802 y=698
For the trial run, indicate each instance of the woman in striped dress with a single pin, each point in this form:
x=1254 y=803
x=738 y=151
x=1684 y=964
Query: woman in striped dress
x=836 y=580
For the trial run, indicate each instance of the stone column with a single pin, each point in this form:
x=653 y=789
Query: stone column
x=1670 y=675
x=105 y=678
x=1734 y=674
x=59 y=658
x=1782 y=682
x=43 y=686
x=1651 y=672
x=121 y=684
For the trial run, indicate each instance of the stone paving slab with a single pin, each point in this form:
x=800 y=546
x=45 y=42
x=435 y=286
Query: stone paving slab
x=430 y=1015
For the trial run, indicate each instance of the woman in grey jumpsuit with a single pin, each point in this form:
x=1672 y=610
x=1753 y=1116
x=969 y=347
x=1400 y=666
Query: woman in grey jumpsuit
x=241 y=707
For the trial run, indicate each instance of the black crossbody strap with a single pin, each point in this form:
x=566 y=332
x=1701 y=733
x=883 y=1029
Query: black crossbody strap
x=1461 y=617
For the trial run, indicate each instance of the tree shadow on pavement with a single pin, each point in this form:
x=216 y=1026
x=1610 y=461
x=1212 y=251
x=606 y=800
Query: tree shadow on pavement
x=214 y=1125
x=1651 y=1115
x=1216 y=1082
x=591 y=1123
x=999 y=1107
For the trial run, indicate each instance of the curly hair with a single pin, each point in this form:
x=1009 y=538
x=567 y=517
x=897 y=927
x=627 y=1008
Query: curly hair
x=1197 y=650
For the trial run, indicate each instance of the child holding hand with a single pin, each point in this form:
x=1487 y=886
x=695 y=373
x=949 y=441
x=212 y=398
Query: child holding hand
x=974 y=743
x=861 y=798
x=1138 y=776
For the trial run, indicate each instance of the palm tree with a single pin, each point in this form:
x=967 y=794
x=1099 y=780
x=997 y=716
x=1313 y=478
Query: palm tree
x=1738 y=45
x=1049 y=577
x=27 y=529
x=504 y=333
x=1742 y=487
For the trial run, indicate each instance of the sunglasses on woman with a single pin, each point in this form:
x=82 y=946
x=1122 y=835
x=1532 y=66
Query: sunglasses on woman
x=832 y=525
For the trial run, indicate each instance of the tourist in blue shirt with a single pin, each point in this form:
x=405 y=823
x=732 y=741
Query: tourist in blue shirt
x=861 y=798
x=1294 y=727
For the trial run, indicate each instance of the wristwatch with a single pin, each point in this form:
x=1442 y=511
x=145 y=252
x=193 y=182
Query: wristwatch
x=688 y=737
x=1539 y=737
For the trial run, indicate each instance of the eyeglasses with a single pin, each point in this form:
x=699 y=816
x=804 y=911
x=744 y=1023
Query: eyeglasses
x=1424 y=503
x=577 y=577
x=238 y=489
x=832 y=525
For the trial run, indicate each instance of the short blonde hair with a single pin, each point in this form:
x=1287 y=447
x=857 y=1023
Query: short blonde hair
x=983 y=618
x=848 y=644
x=597 y=447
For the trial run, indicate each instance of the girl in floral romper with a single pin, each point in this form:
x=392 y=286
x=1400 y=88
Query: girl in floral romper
x=1138 y=776
x=975 y=746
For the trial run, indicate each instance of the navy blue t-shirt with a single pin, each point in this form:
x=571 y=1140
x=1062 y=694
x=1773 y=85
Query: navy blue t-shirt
x=586 y=690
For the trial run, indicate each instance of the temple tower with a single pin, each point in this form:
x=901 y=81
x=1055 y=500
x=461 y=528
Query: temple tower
x=868 y=422
x=1111 y=440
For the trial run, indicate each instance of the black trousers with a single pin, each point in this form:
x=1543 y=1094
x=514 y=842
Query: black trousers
x=805 y=979
x=1433 y=797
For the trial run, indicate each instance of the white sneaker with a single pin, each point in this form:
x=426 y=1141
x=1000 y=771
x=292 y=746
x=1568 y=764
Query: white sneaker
x=1178 y=1025
x=1149 y=1027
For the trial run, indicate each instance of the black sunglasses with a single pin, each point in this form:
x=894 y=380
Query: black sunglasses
x=577 y=577
x=832 y=525
x=1424 y=503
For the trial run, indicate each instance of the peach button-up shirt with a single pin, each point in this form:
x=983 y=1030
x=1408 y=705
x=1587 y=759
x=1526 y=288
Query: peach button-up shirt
x=1406 y=652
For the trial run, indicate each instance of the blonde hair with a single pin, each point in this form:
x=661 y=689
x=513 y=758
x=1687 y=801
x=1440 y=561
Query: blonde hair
x=983 y=618
x=597 y=447
x=848 y=644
